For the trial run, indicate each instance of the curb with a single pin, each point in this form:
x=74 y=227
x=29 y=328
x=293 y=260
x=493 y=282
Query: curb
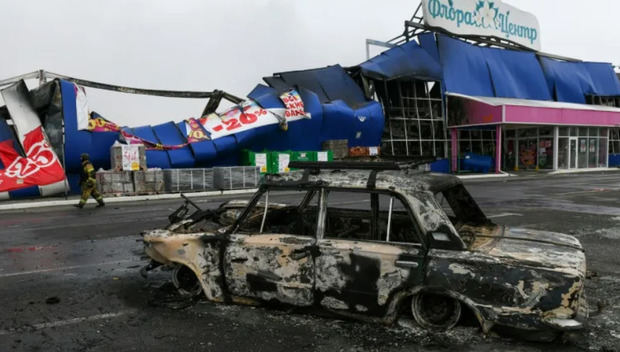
x=111 y=200
x=490 y=176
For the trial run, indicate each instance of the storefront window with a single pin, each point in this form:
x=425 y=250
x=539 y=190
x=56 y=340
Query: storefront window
x=545 y=153
x=593 y=152
x=583 y=152
x=603 y=132
x=527 y=132
x=536 y=150
x=602 y=152
x=509 y=155
x=527 y=154
x=545 y=131
x=563 y=153
x=574 y=132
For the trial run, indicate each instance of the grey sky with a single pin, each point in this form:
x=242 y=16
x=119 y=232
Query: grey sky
x=232 y=44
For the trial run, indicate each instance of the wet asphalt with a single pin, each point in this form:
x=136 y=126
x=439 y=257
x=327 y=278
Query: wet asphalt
x=69 y=281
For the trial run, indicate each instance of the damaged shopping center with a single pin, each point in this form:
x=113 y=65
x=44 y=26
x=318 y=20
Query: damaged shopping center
x=475 y=95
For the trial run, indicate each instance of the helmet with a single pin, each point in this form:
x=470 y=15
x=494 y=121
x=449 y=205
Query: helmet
x=84 y=156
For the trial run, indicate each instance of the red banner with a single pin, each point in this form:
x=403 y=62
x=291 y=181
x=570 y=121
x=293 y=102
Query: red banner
x=40 y=167
x=98 y=124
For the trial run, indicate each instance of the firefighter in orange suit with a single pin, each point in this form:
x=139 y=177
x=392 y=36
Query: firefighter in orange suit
x=88 y=183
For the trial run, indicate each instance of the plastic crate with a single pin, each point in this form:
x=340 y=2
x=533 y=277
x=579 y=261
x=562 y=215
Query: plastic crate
x=115 y=182
x=236 y=177
x=188 y=180
x=148 y=182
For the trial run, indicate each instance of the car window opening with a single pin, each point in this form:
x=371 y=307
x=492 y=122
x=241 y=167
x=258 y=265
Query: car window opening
x=462 y=210
x=381 y=218
x=283 y=212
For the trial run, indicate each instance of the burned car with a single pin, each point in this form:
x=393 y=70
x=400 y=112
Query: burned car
x=373 y=241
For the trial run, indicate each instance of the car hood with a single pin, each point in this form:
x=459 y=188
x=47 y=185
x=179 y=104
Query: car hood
x=556 y=251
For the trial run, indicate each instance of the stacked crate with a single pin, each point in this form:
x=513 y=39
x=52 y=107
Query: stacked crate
x=118 y=183
x=148 y=182
x=188 y=180
x=236 y=177
x=116 y=157
x=339 y=147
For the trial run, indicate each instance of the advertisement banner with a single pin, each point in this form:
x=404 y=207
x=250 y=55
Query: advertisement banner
x=195 y=133
x=243 y=117
x=96 y=123
x=131 y=157
x=488 y=18
x=40 y=167
x=294 y=106
x=249 y=115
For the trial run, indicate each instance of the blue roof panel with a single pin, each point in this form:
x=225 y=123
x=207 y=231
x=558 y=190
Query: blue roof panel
x=516 y=74
x=407 y=60
x=465 y=69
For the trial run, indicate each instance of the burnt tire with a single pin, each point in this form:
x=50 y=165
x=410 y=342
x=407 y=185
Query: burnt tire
x=186 y=281
x=435 y=312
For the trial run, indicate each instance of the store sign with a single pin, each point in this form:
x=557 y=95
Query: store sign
x=40 y=166
x=489 y=18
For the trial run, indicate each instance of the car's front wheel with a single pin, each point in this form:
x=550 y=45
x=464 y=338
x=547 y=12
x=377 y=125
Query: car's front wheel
x=186 y=281
x=436 y=312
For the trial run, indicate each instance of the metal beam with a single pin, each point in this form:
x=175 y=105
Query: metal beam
x=142 y=91
x=12 y=80
x=370 y=42
x=43 y=76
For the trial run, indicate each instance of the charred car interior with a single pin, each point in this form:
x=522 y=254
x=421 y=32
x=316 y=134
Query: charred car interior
x=371 y=241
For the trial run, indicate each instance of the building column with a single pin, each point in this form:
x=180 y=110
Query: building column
x=556 y=146
x=455 y=149
x=498 y=149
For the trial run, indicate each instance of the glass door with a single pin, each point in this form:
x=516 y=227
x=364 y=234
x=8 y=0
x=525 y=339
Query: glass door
x=572 y=153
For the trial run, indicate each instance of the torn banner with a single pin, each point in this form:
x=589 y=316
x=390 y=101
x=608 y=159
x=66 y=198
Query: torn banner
x=195 y=133
x=249 y=115
x=40 y=166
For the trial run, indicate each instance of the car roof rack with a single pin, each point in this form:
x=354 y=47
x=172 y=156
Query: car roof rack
x=361 y=165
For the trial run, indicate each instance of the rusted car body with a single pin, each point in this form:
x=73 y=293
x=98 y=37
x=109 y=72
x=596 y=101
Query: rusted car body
x=393 y=248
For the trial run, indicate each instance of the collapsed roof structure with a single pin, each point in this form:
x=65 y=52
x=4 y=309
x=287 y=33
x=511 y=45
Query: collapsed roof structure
x=436 y=92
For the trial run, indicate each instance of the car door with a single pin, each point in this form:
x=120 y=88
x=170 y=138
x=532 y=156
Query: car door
x=364 y=258
x=269 y=263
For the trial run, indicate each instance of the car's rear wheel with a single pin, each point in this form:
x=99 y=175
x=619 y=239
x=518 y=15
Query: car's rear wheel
x=186 y=281
x=435 y=312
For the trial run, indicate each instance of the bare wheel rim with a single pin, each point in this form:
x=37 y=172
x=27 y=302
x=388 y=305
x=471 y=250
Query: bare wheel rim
x=436 y=312
x=186 y=281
